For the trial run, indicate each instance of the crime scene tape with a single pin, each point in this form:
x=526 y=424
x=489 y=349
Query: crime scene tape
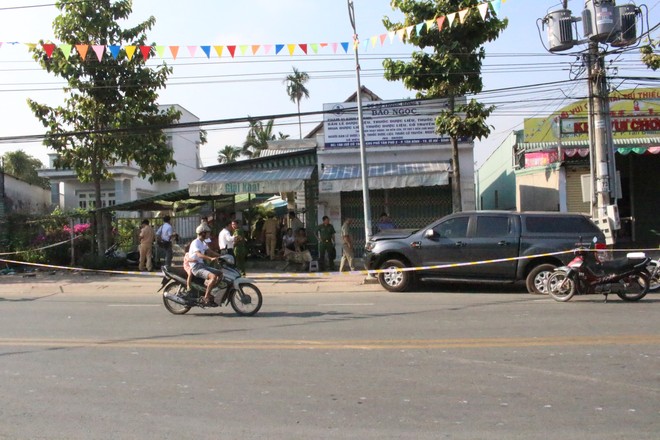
x=40 y=248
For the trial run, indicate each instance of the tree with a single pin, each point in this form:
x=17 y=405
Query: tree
x=650 y=56
x=229 y=154
x=110 y=115
x=448 y=66
x=23 y=166
x=258 y=137
x=295 y=88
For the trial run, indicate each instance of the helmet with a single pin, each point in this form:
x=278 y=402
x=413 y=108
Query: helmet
x=202 y=228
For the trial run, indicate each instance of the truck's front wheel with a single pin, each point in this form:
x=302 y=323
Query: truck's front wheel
x=537 y=278
x=394 y=279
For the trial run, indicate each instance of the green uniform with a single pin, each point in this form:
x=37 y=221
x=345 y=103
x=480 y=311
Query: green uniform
x=240 y=249
x=326 y=245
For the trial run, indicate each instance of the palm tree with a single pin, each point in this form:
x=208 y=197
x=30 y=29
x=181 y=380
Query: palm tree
x=229 y=154
x=295 y=88
x=258 y=137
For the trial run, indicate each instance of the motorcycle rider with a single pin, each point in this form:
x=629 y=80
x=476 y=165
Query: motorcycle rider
x=199 y=251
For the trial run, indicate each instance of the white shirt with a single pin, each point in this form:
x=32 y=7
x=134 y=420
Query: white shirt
x=165 y=231
x=225 y=239
x=197 y=246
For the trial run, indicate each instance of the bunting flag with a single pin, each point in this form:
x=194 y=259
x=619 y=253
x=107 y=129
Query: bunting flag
x=482 y=11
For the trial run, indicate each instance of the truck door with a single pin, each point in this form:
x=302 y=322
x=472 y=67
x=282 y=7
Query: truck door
x=493 y=236
x=445 y=246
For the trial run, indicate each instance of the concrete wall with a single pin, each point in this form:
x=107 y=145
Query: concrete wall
x=496 y=180
x=25 y=198
x=538 y=189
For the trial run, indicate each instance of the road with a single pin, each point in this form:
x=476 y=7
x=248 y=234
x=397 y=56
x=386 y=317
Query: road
x=111 y=362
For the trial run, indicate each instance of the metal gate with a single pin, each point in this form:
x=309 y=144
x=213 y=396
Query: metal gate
x=408 y=207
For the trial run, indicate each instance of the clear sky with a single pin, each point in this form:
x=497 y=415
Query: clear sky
x=220 y=88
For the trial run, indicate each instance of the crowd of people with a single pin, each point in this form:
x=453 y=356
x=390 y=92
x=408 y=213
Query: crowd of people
x=272 y=238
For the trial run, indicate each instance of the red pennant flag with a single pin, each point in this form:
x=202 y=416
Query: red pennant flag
x=440 y=21
x=146 y=50
x=49 y=48
x=303 y=47
x=232 y=50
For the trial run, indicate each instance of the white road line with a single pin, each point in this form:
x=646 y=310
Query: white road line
x=133 y=305
x=348 y=304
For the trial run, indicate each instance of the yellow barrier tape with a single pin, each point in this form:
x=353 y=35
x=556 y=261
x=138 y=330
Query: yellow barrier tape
x=318 y=274
x=41 y=248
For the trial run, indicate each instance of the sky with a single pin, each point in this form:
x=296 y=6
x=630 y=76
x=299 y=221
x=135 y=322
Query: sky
x=520 y=77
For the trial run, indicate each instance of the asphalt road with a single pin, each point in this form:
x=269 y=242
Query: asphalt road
x=483 y=363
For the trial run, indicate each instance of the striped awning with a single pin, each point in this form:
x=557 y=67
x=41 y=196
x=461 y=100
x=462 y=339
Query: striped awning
x=257 y=181
x=338 y=178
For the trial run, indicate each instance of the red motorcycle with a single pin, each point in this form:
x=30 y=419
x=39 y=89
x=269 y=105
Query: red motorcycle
x=586 y=274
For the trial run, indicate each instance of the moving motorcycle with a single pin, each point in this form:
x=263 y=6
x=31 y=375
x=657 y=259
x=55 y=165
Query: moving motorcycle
x=245 y=298
x=586 y=274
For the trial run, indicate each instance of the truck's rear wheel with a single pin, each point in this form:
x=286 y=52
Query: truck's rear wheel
x=537 y=279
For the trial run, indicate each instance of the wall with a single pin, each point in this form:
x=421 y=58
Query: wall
x=538 y=189
x=25 y=198
x=496 y=180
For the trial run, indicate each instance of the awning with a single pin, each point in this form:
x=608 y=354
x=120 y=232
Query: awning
x=338 y=178
x=622 y=145
x=257 y=181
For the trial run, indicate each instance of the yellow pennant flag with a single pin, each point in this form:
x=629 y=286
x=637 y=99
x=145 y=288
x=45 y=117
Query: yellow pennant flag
x=130 y=51
x=291 y=48
x=218 y=50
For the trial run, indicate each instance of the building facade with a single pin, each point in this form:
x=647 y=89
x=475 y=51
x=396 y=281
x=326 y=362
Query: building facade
x=125 y=185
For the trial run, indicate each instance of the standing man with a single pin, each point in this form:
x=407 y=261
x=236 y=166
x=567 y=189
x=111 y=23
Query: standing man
x=271 y=231
x=347 y=246
x=146 y=244
x=165 y=239
x=294 y=222
x=240 y=247
x=226 y=239
x=326 y=236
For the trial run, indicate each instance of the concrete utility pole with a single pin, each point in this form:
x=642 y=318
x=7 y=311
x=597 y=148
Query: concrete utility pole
x=363 y=153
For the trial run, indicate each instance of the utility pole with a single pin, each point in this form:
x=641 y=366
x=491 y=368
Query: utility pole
x=363 y=153
x=604 y=23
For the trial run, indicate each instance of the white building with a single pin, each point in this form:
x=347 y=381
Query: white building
x=125 y=185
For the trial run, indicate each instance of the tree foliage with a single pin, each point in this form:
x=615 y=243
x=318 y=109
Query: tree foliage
x=258 y=136
x=23 y=166
x=448 y=65
x=110 y=115
x=650 y=56
x=295 y=88
x=229 y=154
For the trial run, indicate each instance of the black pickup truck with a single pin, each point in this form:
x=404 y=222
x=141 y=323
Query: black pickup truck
x=477 y=236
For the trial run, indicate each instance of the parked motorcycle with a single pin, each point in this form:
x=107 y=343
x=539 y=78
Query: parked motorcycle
x=627 y=277
x=654 y=274
x=130 y=258
x=245 y=298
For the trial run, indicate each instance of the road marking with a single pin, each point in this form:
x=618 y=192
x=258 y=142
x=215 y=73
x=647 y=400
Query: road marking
x=346 y=304
x=286 y=344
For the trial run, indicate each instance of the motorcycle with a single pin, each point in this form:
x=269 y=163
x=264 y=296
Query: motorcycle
x=245 y=298
x=130 y=258
x=654 y=274
x=627 y=277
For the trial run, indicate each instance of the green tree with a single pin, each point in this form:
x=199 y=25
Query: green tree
x=229 y=154
x=23 y=166
x=295 y=88
x=110 y=115
x=447 y=66
x=258 y=137
x=650 y=55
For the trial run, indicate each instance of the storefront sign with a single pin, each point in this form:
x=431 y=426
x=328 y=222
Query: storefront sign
x=634 y=114
x=385 y=123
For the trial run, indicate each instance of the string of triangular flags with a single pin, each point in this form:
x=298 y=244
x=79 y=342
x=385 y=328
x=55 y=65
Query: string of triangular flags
x=147 y=51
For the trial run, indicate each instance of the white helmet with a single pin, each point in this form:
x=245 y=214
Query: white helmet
x=202 y=228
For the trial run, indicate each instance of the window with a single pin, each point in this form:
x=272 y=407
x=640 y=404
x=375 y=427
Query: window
x=453 y=228
x=87 y=199
x=493 y=226
x=559 y=224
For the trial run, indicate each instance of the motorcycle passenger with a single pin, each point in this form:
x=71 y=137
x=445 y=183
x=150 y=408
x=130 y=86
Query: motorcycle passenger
x=199 y=251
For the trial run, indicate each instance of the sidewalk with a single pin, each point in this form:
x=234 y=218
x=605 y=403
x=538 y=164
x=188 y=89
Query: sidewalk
x=40 y=282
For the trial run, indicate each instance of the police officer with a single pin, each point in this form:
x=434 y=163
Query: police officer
x=326 y=236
